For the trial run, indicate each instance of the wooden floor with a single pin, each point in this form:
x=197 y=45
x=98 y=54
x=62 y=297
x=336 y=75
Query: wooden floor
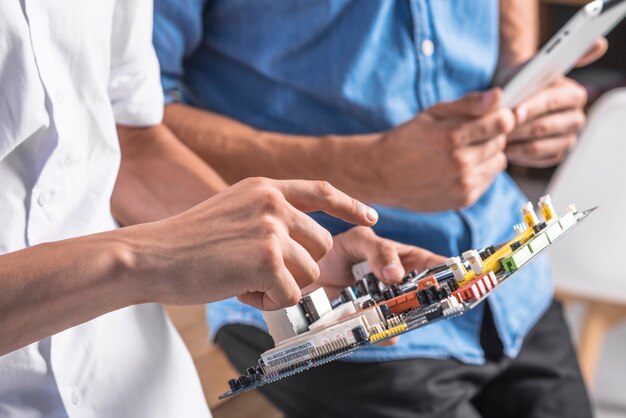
x=214 y=368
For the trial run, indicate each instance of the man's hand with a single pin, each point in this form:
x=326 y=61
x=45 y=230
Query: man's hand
x=446 y=157
x=390 y=260
x=442 y=159
x=548 y=122
x=252 y=241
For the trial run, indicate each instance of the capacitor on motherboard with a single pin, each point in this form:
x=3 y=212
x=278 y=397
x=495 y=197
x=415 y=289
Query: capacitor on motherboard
x=359 y=334
x=530 y=217
x=547 y=208
x=347 y=294
x=384 y=309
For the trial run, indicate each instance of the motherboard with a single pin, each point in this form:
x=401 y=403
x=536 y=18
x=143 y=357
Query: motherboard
x=318 y=330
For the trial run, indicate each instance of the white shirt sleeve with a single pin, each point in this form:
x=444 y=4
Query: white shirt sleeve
x=134 y=83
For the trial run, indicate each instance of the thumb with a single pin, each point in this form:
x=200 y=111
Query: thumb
x=474 y=104
x=416 y=258
x=362 y=243
x=385 y=261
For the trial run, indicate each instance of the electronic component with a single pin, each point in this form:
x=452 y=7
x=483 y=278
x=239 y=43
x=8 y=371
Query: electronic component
x=313 y=333
x=475 y=260
x=530 y=217
x=458 y=269
x=315 y=305
x=547 y=209
x=514 y=261
x=292 y=321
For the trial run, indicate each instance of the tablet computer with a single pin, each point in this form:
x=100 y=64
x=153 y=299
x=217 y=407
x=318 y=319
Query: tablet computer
x=564 y=50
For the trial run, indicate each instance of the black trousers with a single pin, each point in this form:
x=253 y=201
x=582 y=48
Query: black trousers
x=543 y=381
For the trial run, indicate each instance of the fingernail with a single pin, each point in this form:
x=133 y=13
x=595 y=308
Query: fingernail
x=393 y=271
x=521 y=114
x=371 y=215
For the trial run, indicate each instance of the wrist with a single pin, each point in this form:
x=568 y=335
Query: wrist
x=352 y=163
x=134 y=266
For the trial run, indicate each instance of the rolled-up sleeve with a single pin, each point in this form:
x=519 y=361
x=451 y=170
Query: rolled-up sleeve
x=177 y=33
x=134 y=87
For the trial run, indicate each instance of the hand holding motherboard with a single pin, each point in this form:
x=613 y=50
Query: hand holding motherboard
x=318 y=330
x=389 y=260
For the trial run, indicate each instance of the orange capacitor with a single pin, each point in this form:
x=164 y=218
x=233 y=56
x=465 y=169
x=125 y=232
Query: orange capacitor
x=402 y=303
x=427 y=282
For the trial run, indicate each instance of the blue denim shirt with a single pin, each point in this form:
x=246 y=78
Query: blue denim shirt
x=322 y=66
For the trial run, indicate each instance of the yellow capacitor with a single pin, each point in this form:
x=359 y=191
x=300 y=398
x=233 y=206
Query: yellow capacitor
x=530 y=217
x=547 y=209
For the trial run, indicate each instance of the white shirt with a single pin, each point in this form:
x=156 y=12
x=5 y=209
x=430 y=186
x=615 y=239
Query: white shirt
x=69 y=70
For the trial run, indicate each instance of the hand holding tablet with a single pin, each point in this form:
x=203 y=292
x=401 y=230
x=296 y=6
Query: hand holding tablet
x=570 y=44
x=549 y=106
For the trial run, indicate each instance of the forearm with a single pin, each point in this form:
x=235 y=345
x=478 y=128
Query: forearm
x=159 y=176
x=238 y=151
x=519 y=31
x=51 y=287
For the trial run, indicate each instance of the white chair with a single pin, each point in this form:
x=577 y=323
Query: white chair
x=587 y=265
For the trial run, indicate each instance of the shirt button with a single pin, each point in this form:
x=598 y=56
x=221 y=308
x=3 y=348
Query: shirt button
x=428 y=47
x=76 y=397
x=44 y=198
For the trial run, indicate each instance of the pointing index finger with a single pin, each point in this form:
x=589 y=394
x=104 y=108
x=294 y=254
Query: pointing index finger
x=313 y=196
